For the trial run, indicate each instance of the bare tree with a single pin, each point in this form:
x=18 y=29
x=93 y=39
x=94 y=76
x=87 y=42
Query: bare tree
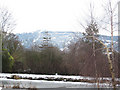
x=94 y=38
x=9 y=41
x=111 y=15
x=111 y=24
x=7 y=22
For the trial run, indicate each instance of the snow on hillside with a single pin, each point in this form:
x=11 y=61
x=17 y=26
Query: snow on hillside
x=57 y=38
x=60 y=39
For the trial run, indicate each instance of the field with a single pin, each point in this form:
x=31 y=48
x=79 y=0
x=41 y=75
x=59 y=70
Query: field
x=52 y=81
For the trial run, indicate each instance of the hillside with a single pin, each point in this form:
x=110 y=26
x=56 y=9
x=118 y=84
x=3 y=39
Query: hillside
x=58 y=38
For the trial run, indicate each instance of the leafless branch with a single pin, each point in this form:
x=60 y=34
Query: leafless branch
x=6 y=21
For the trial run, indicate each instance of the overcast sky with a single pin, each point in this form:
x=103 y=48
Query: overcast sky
x=54 y=15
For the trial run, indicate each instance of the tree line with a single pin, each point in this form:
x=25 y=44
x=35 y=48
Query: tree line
x=83 y=56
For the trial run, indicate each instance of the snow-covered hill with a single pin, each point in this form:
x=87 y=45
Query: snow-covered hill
x=58 y=38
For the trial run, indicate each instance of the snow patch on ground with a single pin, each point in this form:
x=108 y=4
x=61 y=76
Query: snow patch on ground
x=49 y=84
